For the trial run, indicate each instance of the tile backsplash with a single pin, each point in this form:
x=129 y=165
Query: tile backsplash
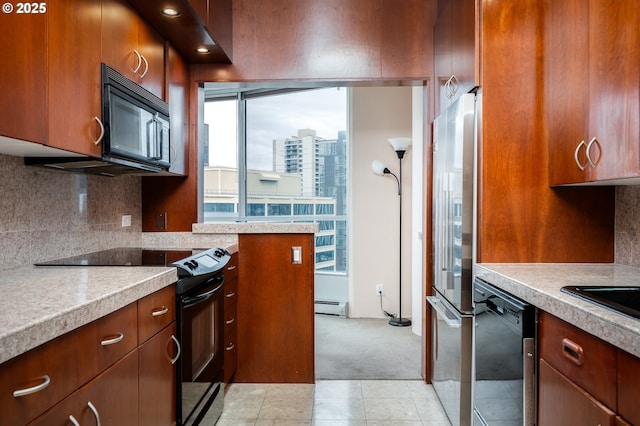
x=48 y=214
x=627 y=228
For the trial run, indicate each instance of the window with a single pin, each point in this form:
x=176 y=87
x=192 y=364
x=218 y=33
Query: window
x=279 y=155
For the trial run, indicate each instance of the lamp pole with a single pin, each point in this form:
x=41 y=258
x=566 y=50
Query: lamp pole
x=399 y=321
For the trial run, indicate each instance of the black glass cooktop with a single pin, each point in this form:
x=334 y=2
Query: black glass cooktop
x=124 y=256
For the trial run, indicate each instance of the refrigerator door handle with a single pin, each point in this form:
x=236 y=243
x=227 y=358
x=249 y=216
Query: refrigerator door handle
x=452 y=320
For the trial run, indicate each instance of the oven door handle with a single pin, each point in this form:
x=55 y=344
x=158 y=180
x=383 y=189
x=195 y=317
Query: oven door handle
x=193 y=300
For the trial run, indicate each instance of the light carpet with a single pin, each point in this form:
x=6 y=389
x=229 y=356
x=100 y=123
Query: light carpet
x=365 y=349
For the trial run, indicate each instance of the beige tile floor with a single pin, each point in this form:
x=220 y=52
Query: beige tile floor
x=333 y=403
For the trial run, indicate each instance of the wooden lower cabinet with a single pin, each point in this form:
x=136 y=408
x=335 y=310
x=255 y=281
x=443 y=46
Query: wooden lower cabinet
x=157 y=379
x=562 y=402
x=109 y=399
x=584 y=380
x=275 y=309
x=99 y=371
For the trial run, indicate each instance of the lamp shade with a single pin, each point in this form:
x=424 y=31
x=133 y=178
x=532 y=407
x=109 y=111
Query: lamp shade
x=400 y=144
x=378 y=167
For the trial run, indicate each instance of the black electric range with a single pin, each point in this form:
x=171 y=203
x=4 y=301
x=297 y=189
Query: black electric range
x=125 y=256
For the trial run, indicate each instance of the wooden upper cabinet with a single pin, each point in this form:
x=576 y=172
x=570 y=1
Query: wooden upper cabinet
x=24 y=76
x=455 y=50
x=131 y=47
x=74 y=82
x=177 y=80
x=593 y=97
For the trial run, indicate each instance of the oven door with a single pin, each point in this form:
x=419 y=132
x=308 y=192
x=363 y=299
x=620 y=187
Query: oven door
x=200 y=319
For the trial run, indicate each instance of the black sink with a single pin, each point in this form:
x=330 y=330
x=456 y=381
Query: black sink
x=624 y=300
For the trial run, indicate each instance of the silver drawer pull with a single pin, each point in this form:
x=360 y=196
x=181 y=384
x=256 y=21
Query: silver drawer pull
x=230 y=320
x=230 y=346
x=159 y=311
x=95 y=412
x=73 y=421
x=22 y=392
x=231 y=267
x=116 y=339
x=231 y=294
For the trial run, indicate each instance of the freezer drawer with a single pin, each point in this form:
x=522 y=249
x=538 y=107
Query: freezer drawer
x=451 y=359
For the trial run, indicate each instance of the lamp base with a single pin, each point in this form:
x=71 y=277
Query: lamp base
x=400 y=322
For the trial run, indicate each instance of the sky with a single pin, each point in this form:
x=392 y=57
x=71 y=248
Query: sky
x=273 y=117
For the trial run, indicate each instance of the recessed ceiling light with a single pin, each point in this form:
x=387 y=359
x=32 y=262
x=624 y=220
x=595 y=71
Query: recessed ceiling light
x=171 y=12
x=203 y=50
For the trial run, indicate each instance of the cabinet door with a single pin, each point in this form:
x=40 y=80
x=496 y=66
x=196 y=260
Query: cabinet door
x=151 y=47
x=157 y=381
x=561 y=402
x=593 y=98
x=74 y=76
x=112 y=397
x=178 y=99
x=24 y=76
x=614 y=88
x=628 y=387
x=120 y=38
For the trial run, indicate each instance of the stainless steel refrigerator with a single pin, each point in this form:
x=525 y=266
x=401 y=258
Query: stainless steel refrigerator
x=454 y=188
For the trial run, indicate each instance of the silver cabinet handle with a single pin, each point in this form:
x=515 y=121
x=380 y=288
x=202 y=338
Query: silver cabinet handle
x=575 y=156
x=231 y=294
x=116 y=339
x=135 y=52
x=231 y=267
x=588 y=151
x=159 y=311
x=22 y=392
x=230 y=346
x=73 y=421
x=230 y=320
x=97 y=141
x=454 y=85
x=95 y=412
x=174 y=360
x=146 y=67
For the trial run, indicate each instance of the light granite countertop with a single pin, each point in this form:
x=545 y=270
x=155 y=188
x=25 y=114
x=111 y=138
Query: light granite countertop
x=540 y=284
x=40 y=303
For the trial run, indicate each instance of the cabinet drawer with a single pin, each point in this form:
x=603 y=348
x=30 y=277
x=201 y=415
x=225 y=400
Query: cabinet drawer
x=561 y=402
x=230 y=292
x=231 y=270
x=586 y=360
x=155 y=312
x=230 y=349
x=106 y=340
x=54 y=362
x=628 y=387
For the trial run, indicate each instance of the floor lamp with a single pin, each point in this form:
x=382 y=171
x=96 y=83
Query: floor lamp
x=400 y=146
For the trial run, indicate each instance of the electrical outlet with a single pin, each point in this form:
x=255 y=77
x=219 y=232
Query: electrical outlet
x=379 y=290
x=126 y=220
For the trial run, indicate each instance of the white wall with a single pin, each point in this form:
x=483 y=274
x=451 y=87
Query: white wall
x=376 y=114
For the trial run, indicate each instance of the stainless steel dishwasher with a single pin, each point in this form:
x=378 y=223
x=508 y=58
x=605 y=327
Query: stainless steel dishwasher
x=504 y=385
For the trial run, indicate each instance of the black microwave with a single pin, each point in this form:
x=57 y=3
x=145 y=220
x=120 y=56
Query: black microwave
x=136 y=124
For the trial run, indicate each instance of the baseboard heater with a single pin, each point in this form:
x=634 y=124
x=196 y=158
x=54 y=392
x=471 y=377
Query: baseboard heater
x=332 y=307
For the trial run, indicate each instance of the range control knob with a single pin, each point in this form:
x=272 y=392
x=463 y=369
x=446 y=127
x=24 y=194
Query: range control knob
x=219 y=253
x=191 y=264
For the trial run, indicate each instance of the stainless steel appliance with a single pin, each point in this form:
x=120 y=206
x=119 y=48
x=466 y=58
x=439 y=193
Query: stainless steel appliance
x=136 y=124
x=135 y=135
x=200 y=332
x=454 y=168
x=504 y=387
